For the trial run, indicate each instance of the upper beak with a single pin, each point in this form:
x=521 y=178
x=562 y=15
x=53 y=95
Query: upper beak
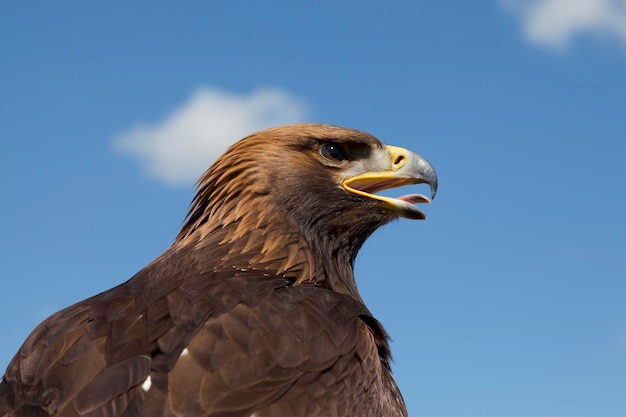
x=406 y=168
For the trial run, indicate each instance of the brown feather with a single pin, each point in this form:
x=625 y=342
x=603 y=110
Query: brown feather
x=253 y=311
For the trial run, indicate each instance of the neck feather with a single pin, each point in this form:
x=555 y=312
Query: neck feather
x=261 y=239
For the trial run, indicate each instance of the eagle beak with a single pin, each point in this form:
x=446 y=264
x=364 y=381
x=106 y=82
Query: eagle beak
x=406 y=168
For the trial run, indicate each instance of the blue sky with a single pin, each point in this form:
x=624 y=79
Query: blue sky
x=508 y=300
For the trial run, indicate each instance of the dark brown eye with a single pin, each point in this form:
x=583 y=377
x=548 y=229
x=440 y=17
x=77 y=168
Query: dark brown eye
x=332 y=152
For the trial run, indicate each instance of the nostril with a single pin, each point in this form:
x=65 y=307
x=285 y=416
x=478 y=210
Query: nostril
x=399 y=159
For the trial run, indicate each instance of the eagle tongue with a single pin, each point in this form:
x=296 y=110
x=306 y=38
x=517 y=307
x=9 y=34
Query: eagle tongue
x=414 y=198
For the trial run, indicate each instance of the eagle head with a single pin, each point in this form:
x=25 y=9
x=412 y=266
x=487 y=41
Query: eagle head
x=301 y=199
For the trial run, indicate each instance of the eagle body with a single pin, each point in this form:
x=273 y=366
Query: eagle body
x=253 y=311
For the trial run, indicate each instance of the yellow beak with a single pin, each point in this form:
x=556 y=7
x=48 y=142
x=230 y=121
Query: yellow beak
x=405 y=168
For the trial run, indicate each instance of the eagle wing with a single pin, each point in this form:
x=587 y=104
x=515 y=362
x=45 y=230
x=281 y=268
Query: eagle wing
x=251 y=344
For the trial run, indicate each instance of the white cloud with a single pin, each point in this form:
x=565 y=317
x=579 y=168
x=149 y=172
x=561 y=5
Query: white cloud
x=181 y=147
x=553 y=23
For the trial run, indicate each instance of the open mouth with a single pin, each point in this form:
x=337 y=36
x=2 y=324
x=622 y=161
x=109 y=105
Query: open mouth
x=367 y=185
x=405 y=168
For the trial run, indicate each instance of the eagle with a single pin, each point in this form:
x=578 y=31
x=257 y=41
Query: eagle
x=253 y=311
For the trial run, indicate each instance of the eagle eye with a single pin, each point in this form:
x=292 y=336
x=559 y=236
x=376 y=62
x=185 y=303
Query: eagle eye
x=332 y=152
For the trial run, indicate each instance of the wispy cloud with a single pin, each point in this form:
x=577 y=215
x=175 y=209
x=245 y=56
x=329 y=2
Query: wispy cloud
x=180 y=147
x=554 y=23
